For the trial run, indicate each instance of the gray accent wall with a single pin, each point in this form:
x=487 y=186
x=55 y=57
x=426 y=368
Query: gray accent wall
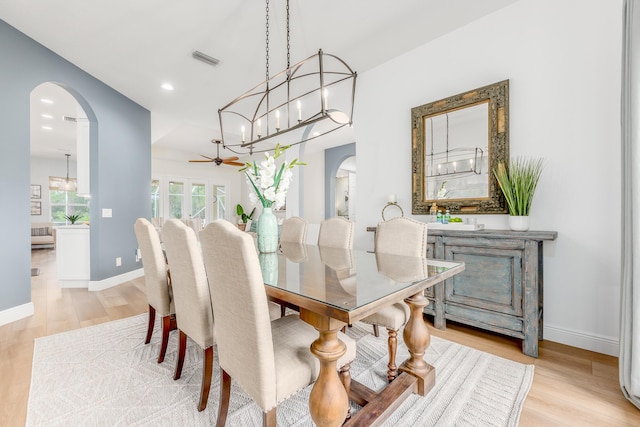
x=333 y=158
x=120 y=162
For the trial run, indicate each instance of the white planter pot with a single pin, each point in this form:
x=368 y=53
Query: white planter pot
x=519 y=223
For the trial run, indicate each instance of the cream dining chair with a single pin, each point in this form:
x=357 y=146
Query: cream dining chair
x=156 y=280
x=294 y=230
x=397 y=236
x=194 y=316
x=271 y=361
x=336 y=232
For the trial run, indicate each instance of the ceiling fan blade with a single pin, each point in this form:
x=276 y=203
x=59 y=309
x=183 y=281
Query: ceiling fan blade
x=231 y=163
x=200 y=161
x=207 y=157
x=231 y=158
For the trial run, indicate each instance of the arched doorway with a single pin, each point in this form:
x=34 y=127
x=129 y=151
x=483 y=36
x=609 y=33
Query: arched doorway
x=346 y=189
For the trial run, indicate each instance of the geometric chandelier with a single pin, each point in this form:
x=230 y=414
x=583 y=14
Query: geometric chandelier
x=307 y=100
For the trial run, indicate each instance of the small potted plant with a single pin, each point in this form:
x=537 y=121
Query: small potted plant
x=242 y=222
x=72 y=218
x=518 y=184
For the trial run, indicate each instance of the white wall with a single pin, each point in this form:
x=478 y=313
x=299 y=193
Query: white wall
x=563 y=63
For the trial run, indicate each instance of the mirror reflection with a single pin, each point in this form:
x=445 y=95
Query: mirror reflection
x=456 y=153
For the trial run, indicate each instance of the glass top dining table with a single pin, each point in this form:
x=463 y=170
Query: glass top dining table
x=348 y=283
x=332 y=287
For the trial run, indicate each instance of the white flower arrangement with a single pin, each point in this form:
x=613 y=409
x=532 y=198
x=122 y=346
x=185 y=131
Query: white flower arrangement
x=269 y=181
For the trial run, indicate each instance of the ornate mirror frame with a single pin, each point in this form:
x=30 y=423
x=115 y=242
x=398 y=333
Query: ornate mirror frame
x=496 y=96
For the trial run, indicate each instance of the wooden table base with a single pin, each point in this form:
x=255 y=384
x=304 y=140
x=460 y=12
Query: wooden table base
x=328 y=400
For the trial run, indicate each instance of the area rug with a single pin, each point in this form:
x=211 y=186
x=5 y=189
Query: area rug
x=105 y=375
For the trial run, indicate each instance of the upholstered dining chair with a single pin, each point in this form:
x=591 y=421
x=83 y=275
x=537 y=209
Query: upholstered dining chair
x=272 y=361
x=294 y=230
x=336 y=232
x=194 y=316
x=159 y=295
x=397 y=236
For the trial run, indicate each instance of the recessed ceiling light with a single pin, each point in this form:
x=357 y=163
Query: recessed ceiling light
x=46 y=101
x=167 y=86
x=47 y=128
x=47 y=116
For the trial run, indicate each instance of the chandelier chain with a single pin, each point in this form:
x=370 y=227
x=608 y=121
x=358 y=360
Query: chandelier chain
x=288 y=39
x=267 y=44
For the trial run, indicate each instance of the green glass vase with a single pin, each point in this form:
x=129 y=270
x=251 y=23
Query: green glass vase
x=267 y=231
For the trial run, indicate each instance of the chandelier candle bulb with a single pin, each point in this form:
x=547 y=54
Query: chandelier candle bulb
x=454 y=166
x=243 y=136
x=392 y=198
x=326 y=99
x=277 y=119
x=299 y=105
x=259 y=128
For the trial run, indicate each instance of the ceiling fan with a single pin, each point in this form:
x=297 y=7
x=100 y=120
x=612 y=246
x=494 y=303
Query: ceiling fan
x=217 y=160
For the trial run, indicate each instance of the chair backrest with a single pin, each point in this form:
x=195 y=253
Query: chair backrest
x=195 y=224
x=402 y=236
x=194 y=315
x=240 y=307
x=294 y=230
x=155 y=266
x=336 y=232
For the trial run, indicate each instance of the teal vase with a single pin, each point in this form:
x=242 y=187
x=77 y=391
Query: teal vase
x=269 y=268
x=267 y=231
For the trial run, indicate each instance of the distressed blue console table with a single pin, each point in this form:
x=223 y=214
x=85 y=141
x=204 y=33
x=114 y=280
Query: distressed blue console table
x=501 y=288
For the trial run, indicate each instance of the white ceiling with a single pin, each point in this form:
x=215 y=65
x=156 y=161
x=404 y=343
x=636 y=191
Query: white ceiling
x=135 y=46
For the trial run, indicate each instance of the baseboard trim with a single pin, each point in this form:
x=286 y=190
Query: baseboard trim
x=99 y=285
x=16 y=313
x=592 y=342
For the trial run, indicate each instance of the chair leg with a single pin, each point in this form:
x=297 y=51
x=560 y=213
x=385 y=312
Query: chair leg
x=376 y=331
x=182 y=347
x=345 y=378
x=392 y=373
x=166 y=328
x=283 y=309
x=269 y=418
x=207 y=369
x=225 y=394
x=152 y=321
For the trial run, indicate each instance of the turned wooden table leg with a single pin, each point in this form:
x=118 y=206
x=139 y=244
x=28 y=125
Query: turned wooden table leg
x=417 y=338
x=328 y=401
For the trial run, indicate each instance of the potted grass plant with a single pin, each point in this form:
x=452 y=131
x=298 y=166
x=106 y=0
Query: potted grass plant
x=518 y=184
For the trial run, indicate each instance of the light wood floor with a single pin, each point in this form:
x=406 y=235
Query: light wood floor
x=571 y=387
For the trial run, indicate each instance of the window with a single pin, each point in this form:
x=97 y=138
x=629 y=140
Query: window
x=176 y=199
x=155 y=198
x=199 y=201
x=184 y=198
x=67 y=203
x=219 y=202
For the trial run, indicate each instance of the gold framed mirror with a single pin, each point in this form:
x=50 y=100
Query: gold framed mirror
x=456 y=144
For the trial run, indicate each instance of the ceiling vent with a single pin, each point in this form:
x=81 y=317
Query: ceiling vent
x=205 y=58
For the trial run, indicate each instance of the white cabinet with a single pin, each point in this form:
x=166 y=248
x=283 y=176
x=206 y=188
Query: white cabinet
x=73 y=256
